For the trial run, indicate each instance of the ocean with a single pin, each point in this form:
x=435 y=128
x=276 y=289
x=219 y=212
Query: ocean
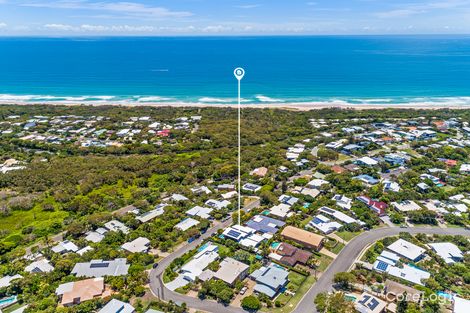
x=376 y=70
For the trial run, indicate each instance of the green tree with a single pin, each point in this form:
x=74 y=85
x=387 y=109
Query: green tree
x=251 y=303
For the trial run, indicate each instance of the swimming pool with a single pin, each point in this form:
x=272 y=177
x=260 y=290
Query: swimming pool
x=8 y=301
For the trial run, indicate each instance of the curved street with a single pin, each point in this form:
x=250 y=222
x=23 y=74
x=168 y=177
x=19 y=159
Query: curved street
x=342 y=263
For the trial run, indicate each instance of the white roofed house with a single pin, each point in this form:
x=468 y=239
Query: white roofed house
x=231 y=270
x=99 y=268
x=216 y=204
x=200 y=190
x=116 y=306
x=391 y=186
x=150 y=215
x=191 y=270
x=366 y=161
x=116 y=226
x=342 y=201
x=317 y=183
x=246 y=236
x=6 y=280
x=186 y=224
x=324 y=224
x=64 y=247
x=201 y=212
x=406 y=206
x=447 y=251
x=281 y=210
x=251 y=187
x=41 y=266
x=407 y=250
x=94 y=236
x=465 y=168
x=289 y=200
x=138 y=245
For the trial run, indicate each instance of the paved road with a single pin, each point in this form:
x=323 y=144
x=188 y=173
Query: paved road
x=352 y=250
x=156 y=275
x=341 y=264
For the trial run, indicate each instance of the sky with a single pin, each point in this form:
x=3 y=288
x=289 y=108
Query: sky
x=232 y=17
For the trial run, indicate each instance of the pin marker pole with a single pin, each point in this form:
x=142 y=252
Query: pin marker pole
x=239 y=73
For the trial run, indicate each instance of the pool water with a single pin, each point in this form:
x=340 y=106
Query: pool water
x=7 y=301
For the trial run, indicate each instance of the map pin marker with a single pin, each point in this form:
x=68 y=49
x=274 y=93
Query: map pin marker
x=239 y=73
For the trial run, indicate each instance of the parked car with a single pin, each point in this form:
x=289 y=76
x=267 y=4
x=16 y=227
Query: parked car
x=243 y=290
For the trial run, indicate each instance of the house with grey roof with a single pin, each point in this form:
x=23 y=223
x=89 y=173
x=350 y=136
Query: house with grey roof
x=100 y=268
x=270 y=279
x=116 y=306
x=138 y=245
x=231 y=270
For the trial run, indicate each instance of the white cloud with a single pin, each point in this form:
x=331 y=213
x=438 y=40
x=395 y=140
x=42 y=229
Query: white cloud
x=125 y=8
x=3 y=25
x=397 y=13
x=248 y=6
x=414 y=9
x=61 y=27
x=88 y=28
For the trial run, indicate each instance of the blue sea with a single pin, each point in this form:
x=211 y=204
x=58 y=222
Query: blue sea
x=377 y=70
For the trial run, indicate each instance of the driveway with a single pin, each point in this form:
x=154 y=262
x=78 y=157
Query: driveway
x=342 y=263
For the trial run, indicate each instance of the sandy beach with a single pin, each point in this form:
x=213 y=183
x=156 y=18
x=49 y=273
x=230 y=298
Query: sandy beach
x=302 y=106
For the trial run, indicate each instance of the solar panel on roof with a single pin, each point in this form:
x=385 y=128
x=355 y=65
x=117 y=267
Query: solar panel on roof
x=233 y=233
x=99 y=265
x=373 y=304
x=382 y=266
x=327 y=210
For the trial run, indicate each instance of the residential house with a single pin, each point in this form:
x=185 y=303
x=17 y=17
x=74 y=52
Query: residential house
x=367 y=303
x=378 y=207
x=245 y=236
x=396 y=159
x=265 y=224
x=41 y=266
x=281 y=211
x=150 y=215
x=64 y=247
x=303 y=237
x=367 y=179
x=342 y=201
x=270 y=279
x=340 y=216
x=231 y=271
x=406 y=206
x=324 y=224
x=198 y=190
x=6 y=280
x=407 y=250
x=191 y=270
x=73 y=293
x=186 y=224
x=394 y=291
x=201 y=212
x=460 y=305
x=94 y=236
x=116 y=306
x=117 y=226
x=391 y=186
x=100 y=268
x=317 y=183
x=289 y=200
x=260 y=172
x=253 y=188
x=448 y=251
x=216 y=204
x=138 y=245
x=366 y=161
x=289 y=255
